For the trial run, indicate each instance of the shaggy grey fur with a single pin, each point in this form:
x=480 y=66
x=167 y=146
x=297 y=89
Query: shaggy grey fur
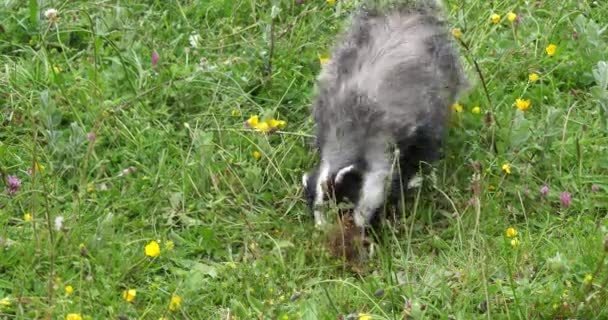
x=389 y=84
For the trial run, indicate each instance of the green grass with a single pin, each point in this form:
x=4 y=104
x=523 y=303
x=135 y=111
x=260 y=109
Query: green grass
x=244 y=244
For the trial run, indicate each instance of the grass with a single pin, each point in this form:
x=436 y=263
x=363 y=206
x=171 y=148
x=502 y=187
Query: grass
x=172 y=162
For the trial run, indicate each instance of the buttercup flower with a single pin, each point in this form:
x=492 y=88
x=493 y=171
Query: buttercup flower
x=511 y=16
x=511 y=232
x=476 y=110
x=523 y=104
x=68 y=290
x=457 y=107
x=495 y=18
x=13 y=184
x=533 y=77
x=566 y=199
x=73 y=316
x=457 y=33
x=257 y=155
x=27 y=217
x=152 y=249
x=175 y=303
x=506 y=168
x=129 y=295
x=551 y=49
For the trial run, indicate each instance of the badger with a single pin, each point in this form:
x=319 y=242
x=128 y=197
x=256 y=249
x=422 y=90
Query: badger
x=388 y=87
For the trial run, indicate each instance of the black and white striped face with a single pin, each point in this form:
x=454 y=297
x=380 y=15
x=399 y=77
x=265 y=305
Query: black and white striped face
x=321 y=186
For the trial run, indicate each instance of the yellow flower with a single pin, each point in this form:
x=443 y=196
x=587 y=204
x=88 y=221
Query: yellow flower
x=152 y=249
x=129 y=295
x=533 y=77
x=551 y=49
x=69 y=290
x=456 y=107
x=323 y=59
x=253 y=121
x=73 y=316
x=257 y=155
x=175 y=303
x=457 y=33
x=169 y=245
x=506 y=168
x=523 y=104
x=495 y=18
x=276 y=124
x=515 y=243
x=363 y=316
x=331 y=1
x=5 y=302
x=511 y=16
x=588 y=279
x=27 y=217
x=476 y=110
x=263 y=127
x=511 y=232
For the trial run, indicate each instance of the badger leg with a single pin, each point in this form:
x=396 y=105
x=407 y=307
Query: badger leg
x=372 y=192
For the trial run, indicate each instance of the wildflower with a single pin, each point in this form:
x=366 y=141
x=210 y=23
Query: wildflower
x=476 y=110
x=68 y=290
x=5 y=302
x=175 y=303
x=52 y=15
x=544 y=190
x=523 y=104
x=58 y=223
x=595 y=188
x=129 y=295
x=257 y=155
x=588 y=279
x=566 y=199
x=276 y=124
x=152 y=249
x=511 y=232
x=511 y=16
x=331 y=2
x=263 y=127
x=194 y=40
x=13 y=185
x=91 y=136
x=551 y=49
x=515 y=243
x=533 y=77
x=506 y=168
x=73 y=316
x=27 y=217
x=495 y=18
x=457 y=33
x=323 y=59
x=169 y=245
x=363 y=316
x=155 y=58
x=457 y=107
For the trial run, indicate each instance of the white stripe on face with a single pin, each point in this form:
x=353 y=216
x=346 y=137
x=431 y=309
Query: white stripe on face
x=319 y=193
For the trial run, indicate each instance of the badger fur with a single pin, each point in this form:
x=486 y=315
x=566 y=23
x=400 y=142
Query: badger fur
x=389 y=85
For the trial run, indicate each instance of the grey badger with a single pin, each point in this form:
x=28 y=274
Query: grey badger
x=389 y=85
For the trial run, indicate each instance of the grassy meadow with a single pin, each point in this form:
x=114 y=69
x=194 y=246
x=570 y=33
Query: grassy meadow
x=131 y=188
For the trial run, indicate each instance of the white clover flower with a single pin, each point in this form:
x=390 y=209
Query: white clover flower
x=52 y=15
x=194 y=39
x=58 y=223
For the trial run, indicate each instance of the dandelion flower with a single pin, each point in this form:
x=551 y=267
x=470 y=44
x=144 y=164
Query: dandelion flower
x=457 y=33
x=27 y=217
x=175 y=303
x=495 y=18
x=511 y=16
x=476 y=110
x=511 y=232
x=169 y=245
x=566 y=199
x=13 y=184
x=551 y=49
x=506 y=168
x=68 y=290
x=129 y=295
x=257 y=155
x=457 y=107
x=514 y=242
x=533 y=77
x=523 y=104
x=73 y=316
x=588 y=279
x=152 y=249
